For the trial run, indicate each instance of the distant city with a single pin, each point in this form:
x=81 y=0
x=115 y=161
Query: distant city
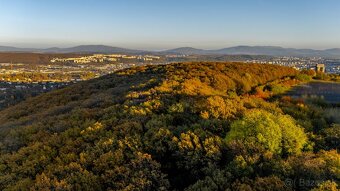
x=73 y=68
x=303 y=63
x=24 y=75
x=84 y=67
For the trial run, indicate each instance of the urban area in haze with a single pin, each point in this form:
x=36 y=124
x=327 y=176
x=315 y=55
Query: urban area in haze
x=170 y=95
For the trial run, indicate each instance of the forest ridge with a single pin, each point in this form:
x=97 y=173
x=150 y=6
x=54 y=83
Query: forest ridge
x=181 y=126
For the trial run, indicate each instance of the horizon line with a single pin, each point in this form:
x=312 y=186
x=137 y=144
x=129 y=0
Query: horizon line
x=163 y=49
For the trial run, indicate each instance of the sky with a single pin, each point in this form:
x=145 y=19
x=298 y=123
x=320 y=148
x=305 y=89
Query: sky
x=165 y=24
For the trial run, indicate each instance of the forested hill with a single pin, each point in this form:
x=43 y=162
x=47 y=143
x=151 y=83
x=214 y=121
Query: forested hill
x=193 y=126
x=137 y=85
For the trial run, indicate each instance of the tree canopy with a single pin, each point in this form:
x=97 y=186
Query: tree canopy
x=181 y=126
x=276 y=133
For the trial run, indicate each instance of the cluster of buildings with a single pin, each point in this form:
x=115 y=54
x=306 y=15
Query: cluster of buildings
x=77 y=69
x=10 y=68
x=295 y=62
x=301 y=63
x=176 y=56
x=60 y=72
x=101 y=58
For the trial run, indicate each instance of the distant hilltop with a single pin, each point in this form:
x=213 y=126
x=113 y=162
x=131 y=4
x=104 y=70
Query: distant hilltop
x=237 y=50
x=260 y=50
x=76 y=49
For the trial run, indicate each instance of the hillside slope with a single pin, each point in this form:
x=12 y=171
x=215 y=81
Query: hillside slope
x=217 y=78
x=158 y=128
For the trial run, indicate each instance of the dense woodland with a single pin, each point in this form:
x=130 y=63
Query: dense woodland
x=183 y=126
x=46 y=77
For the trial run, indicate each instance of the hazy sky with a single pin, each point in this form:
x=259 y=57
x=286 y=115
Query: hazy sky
x=162 y=24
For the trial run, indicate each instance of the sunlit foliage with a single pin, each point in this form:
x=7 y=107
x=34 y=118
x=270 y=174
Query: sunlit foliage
x=182 y=126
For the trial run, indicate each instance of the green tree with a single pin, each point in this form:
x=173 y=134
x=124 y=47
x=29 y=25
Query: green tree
x=276 y=133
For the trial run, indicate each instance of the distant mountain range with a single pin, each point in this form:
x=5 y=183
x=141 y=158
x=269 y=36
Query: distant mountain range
x=76 y=49
x=237 y=50
x=260 y=50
